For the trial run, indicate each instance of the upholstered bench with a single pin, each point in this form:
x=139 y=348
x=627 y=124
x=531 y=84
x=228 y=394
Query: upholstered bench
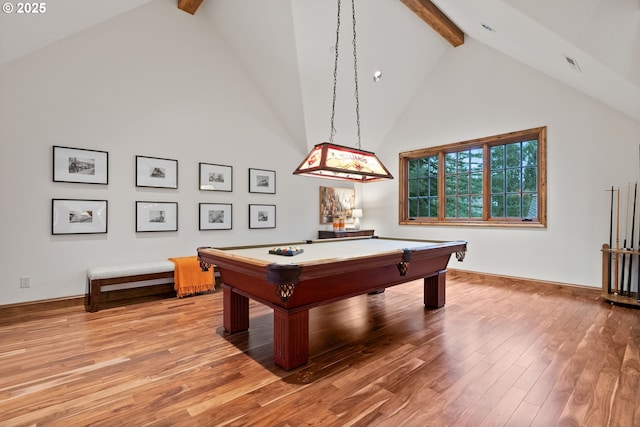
x=115 y=284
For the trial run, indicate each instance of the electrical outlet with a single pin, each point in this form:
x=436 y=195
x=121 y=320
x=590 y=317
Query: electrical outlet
x=25 y=282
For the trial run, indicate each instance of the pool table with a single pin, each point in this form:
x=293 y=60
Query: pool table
x=323 y=271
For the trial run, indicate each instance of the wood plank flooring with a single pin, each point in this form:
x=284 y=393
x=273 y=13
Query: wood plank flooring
x=500 y=353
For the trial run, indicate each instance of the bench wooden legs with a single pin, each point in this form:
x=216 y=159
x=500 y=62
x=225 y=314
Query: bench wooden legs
x=98 y=298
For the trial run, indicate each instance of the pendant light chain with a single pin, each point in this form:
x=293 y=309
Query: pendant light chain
x=355 y=70
x=335 y=78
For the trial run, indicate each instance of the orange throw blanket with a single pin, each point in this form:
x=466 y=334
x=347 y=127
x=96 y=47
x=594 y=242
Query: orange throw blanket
x=189 y=277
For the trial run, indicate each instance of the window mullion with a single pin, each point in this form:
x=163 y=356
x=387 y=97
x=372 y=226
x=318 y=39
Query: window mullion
x=441 y=186
x=486 y=182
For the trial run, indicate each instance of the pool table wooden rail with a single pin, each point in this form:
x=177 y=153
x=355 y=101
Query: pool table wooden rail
x=410 y=264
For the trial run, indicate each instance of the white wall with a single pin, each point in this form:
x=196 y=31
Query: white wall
x=477 y=92
x=155 y=82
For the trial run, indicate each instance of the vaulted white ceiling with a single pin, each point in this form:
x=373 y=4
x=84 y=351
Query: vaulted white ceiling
x=287 y=47
x=601 y=36
x=22 y=33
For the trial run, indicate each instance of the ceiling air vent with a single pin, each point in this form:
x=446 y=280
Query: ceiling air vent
x=573 y=63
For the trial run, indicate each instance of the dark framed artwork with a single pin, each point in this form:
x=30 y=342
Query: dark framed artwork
x=262 y=216
x=262 y=181
x=216 y=216
x=80 y=165
x=78 y=216
x=156 y=216
x=156 y=172
x=336 y=202
x=216 y=177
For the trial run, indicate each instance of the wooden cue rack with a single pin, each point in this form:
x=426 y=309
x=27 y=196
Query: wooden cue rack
x=606 y=268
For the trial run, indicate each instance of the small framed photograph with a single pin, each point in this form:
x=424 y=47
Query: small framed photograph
x=74 y=216
x=80 y=165
x=215 y=216
x=262 y=181
x=216 y=177
x=262 y=216
x=156 y=216
x=156 y=172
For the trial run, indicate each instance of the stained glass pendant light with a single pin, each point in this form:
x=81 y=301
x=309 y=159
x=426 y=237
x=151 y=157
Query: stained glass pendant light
x=329 y=160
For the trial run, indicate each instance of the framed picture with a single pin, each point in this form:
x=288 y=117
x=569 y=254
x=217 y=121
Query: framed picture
x=156 y=216
x=336 y=202
x=262 y=181
x=80 y=165
x=216 y=177
x=215 y=216
x=75 y=216
x=262 y=216
x=155 y=172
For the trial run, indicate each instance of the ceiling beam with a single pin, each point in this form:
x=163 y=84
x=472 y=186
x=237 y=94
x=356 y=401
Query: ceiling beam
x=189 y=6
x=433 y=16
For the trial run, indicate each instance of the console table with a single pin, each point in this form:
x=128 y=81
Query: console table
x=330 y=234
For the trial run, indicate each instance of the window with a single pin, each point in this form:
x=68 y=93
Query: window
x=498 y=180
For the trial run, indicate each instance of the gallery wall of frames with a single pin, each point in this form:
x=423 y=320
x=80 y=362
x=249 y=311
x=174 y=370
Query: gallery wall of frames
x=85 y=216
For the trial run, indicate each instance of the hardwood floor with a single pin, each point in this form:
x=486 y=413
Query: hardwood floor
x=500 y=353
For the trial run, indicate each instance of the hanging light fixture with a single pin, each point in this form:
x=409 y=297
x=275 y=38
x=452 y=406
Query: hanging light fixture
x=329 y=160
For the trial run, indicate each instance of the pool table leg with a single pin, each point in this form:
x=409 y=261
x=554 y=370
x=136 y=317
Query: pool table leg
x=290 y=338
x=236 y=311
x=434 y=290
